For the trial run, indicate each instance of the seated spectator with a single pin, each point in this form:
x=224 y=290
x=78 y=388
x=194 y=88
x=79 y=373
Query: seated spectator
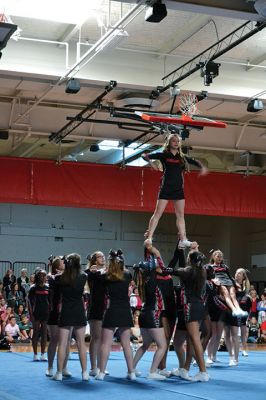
x=25 y=327
x=261 y=308
x=5 y=316
x=23 y=282
x=15 y=297
x=132 y=285
x=8 y=280
x=20 y=312
x=263 y=332
x=135 y=300
x=12 y=331
x=3 y=306
x=253 y=330
x=2 y=294
x=135 y=330
x=254 y=301
x=32 y=279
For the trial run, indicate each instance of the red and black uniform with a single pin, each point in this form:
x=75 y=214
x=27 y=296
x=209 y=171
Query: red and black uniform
x=193 y=297
x=223 y=275
x=245 y=305
x=166 y=286
x=151 y=313
x=172 y=182
x=39 y=302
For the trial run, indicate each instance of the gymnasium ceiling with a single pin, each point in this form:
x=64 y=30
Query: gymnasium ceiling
x=47 y=51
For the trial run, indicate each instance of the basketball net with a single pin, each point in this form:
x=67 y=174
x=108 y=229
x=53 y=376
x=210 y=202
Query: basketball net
x=188 y=104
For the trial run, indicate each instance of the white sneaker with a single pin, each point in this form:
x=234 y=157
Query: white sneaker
x=49 y=372
x=85 y=376
x=184 y=374
x=131 y=376
x=184 y=243
x=57 y=376
x=175 y=372
x=137 y=373
x=216 y=360
x=201 y=377
x=164 y=372
x=100 y=376
x=208 y=362
x=244 y=353
x=156 y=376
x=233 y=363
x=43 y=357
x=94 y=372
x=36 y=358
x=66 y=373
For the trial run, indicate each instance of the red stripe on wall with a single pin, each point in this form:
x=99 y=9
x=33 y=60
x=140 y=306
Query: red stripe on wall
x=44 y=182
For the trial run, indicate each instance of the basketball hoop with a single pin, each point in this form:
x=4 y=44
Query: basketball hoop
x=188 y=104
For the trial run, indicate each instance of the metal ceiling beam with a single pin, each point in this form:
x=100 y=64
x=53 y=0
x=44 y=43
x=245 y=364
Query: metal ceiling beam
x=233 y=39
x=87 y=112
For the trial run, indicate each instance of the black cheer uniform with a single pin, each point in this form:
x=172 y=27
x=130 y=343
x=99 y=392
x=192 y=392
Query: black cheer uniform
x=151 y=312
x=245 y=305
x=72 y=311
x=118 y=312
x=55 y=297
x=96 y=283
x=172 y=182
x=222 y=274
x=39 y=301
x=193 y=299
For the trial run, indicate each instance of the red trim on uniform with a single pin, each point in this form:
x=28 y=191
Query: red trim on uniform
x=163 y=278
x=173 y=161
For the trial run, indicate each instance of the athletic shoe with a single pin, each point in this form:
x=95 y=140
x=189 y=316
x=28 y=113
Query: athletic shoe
x=43 y=357
x=85 y=376
x=137 y=373
x=156 y=376
x=209 y=362
x=194 y=363
x=243 y=313
x=184 y=243
x=66 y=373
x=175 y=372
x=237 y=313
x=164 y=372
x=131 y=376
x=94 y=372
x=201 y=377
x=49 y=372
x=233 y=363
x=57 y=376
x=244 y=353
x=216 y=360
x=183 y=373
x=100 y=376
x=36 y=358
x=107 y=372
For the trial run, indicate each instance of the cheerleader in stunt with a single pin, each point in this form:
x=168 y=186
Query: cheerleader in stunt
x=174 y=163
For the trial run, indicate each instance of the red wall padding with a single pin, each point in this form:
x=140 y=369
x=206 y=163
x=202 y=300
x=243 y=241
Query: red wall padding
x=104 y=186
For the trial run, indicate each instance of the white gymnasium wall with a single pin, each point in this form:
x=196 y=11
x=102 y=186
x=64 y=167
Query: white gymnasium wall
x=32 y=233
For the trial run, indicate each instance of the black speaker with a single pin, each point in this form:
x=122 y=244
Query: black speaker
x=156 y=13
